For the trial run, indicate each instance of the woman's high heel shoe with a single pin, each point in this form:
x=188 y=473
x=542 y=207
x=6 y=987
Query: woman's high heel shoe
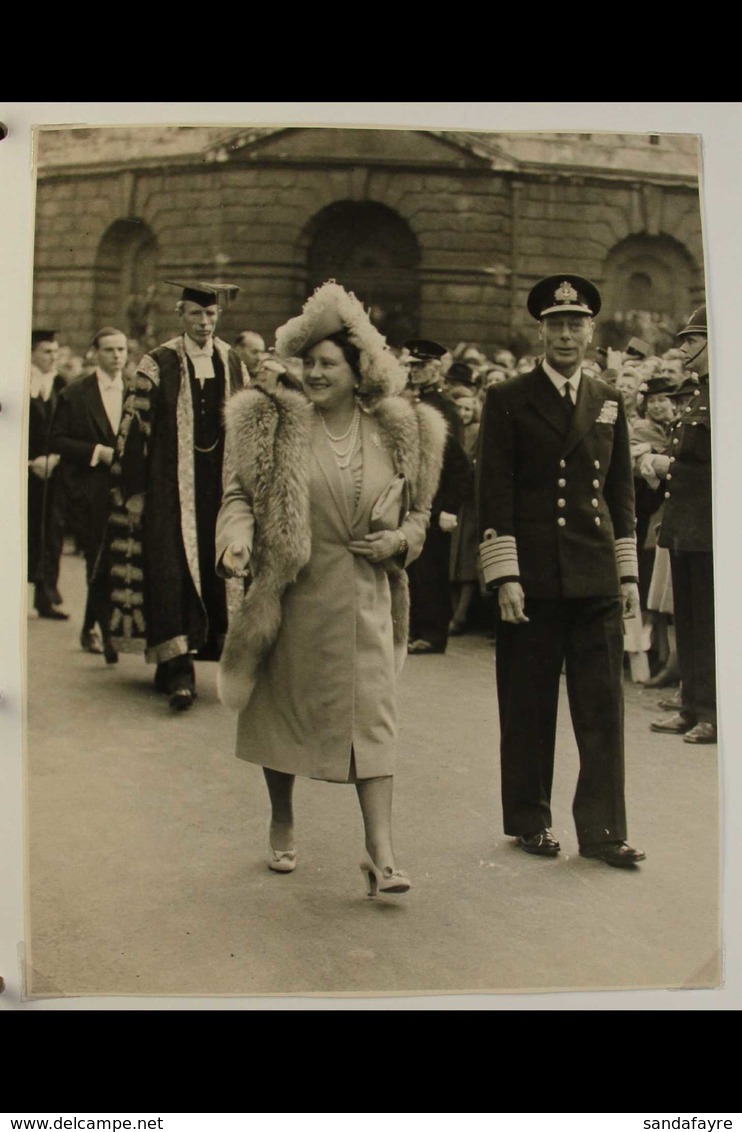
x=386 y=880
x=282 y=861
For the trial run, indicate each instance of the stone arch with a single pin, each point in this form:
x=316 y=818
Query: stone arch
x=650 y=284
x=371 y=250
x=125 y=275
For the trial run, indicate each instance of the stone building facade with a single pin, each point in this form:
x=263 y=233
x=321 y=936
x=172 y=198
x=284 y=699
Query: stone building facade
x=440 y=234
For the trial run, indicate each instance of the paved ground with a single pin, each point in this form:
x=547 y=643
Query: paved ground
x=147 y=871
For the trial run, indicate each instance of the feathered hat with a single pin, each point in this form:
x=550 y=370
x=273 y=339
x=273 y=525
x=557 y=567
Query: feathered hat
x=330 y=309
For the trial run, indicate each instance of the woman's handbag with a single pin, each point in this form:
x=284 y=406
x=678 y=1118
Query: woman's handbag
x=389 y=512
x=392 y=507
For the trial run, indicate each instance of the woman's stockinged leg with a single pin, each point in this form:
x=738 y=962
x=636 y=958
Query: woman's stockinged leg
x=281 y=791
x=375 y=798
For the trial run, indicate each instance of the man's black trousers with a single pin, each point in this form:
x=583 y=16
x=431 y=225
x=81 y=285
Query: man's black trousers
x=586 y=636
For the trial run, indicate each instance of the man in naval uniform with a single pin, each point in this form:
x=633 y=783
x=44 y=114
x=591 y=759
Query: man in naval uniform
x=166 y=489
x=555 y=501
x=429 y=574
x=686 y=531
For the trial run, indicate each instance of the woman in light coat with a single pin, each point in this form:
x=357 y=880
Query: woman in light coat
x=328 y=501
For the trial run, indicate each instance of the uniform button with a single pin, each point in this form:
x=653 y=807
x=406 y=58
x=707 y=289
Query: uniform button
x=667 y=495
x=668 y=476
x=561 y=483
x=693 y=424
x=676 y=441
x=597 y=521
x=594 y=502
x=562 y=522
x=687 y=409
x=561 y=502
x=672 y=459
x=562 y=463
x=696 y=392
x=596 y=483
x=596 y=464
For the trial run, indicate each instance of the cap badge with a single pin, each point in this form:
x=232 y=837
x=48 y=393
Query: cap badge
x=565 y=293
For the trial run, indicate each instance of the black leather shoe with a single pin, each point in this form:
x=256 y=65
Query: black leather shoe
x=52 y=614
x=109 y=652
x=542 y=843
x=702 y=733
x=181 y=699
x=90 y=641
x=674 y=725
x=616 y=853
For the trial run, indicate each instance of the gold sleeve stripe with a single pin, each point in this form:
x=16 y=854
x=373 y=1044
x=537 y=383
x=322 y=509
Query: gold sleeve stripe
x=626 y=558
x=499 y=558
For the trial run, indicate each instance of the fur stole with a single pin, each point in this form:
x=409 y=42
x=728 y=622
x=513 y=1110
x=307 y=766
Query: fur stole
x=268 y=447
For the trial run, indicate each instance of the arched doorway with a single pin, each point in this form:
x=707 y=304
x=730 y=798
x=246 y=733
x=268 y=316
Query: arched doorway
x=372 y=251
x=650 y=285
x=125 y=273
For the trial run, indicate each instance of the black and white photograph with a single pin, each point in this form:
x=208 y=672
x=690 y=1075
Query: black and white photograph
x=373 y=614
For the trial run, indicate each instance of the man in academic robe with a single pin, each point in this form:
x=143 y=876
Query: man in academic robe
x=167 y=477
x=555 y=499
x=84 y=434
x=45 y=504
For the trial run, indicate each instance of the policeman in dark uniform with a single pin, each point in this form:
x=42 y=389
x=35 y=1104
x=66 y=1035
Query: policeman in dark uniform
x=555 y=499
x=686 y=531
x=429 y=574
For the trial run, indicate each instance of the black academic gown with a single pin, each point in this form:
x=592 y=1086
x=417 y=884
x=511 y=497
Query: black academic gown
x=45 y=505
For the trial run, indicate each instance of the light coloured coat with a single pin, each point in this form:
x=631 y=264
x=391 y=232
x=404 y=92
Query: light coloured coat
x=310 y=659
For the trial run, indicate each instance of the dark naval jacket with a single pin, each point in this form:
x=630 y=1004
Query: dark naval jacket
x=555 y=493
x=686 y=516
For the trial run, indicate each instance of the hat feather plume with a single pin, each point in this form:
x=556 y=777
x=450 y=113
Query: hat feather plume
x=330 y=309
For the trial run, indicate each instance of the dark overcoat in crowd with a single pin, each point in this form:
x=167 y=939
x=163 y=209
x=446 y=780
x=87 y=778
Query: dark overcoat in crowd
x=687 y=532
x=429 y=575
x=45 y=503
x=80 y=424
x=555 y=502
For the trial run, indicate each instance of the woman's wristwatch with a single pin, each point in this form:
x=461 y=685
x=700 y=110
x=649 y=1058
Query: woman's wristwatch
x=402 y=548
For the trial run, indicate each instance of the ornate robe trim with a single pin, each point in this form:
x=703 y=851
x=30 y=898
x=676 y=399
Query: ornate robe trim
x=626 y=558
x=498 y=556
x=168 y=650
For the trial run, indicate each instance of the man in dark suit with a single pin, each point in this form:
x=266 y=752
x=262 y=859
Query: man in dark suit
x=429 y=574
x=84 y=434
x=556 y=512
x=45 y=507
x=686 y=531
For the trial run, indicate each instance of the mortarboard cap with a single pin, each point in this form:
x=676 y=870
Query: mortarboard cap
x=205 y=294
x=38 y=336
x=558 y=293
x=696 y=324
x=423 y=350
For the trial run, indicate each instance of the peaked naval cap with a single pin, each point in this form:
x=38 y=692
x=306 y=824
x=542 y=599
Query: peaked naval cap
x=563 y=293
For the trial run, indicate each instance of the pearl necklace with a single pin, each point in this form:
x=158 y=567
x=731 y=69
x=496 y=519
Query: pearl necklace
x=343 y=456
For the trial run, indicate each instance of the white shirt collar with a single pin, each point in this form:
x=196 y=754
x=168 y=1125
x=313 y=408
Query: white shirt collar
x=42 y=383
x=559 y=380
x=107 y=382
x=195 y=351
